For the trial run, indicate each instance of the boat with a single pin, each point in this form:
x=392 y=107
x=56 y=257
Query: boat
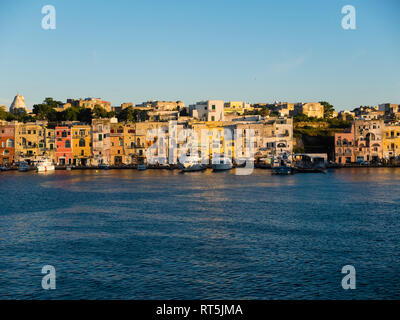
x=281 y=166
x=222 y=164
x=4 y=168
x=45 y=165
x=141 y=167
x=23 y=166
x=68 y=167
x=103 y=166
x=192 y=167
x=306 y=164
x=282 y=170
x=192 y=164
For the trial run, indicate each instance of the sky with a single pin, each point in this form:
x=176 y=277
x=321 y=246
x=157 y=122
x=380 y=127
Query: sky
x=253 y=51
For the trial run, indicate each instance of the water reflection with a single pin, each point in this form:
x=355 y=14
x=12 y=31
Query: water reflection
x=159 y=234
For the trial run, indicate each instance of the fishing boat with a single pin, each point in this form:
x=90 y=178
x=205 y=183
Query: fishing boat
x=23 y=166
x=45 y=165
x=222 y=163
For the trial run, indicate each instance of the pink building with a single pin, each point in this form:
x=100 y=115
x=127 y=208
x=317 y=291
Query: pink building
x=345 y=147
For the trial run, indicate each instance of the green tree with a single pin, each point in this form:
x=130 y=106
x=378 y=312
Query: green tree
x=328 y=109
x=85 y=115
x=99 y=112
x=46 y=110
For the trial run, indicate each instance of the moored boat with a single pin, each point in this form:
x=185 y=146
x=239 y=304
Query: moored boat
x=141 y=167
x=282 y=170
x=222 y=164
x=192 y=164
x=192 y=167
x=23 y=166
x=45 y=165
x=104 y=166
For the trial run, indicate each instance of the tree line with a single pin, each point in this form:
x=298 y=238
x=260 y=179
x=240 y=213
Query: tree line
x=47 y=111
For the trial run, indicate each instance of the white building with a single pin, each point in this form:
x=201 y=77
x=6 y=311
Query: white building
x=210 y=110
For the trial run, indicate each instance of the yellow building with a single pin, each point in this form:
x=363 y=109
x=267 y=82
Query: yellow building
x=214 y=138
x=29 y=142
x=117 y=144
x=81 y=145
x=310 y=109
x=236 y=107
x=129 y=137
x=391 y=141
x=50 y=144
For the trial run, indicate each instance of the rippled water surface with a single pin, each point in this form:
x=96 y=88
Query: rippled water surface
x=124 y=234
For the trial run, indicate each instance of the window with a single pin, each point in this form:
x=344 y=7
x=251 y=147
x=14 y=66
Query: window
x=213 y=107
x=212 y=118
x=64 y=134
x=67 y=144
x=82 y=142
x=100 y=137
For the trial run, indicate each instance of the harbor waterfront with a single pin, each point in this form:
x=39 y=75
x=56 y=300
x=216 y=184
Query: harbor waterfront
x=158 y=234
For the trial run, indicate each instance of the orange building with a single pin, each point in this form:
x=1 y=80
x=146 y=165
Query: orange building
x=7 y=144
x=63 y=145
x=117 y=144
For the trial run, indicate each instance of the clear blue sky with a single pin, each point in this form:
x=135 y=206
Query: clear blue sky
x=254 y=50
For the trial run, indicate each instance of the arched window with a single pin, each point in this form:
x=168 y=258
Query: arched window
x=82 y=142
x=10 y=143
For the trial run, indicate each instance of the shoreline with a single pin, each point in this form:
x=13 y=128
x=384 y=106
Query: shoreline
x=256 y=166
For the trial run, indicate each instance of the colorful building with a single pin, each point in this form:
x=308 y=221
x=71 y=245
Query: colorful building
x=81 y=145
x=345 y=147
x=63 y=152
x=50 y=144
x=129 y=137
x=368 y=139
x=7 y=143
x=29 y=141
x=117 y=144
x=101 y=141
x=391 y=141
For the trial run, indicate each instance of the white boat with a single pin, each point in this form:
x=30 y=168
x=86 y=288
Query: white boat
x=192 y=164
x=191 y=167
x=23 y=167
x=222 y=164
x=141 y=166
x=45 y=165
